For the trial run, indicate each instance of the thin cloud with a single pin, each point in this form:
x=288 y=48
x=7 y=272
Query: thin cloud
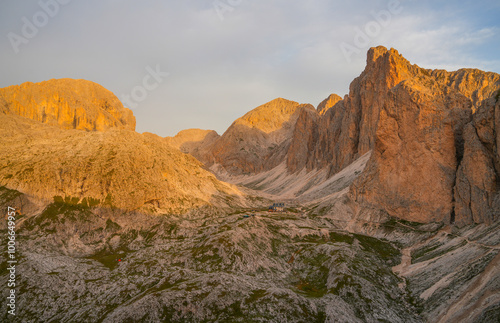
x=220 y=69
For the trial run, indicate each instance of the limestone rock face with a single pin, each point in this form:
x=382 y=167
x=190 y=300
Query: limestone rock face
x=477 y=191
x=354 y=127
x=347 y=130
x=120 y=168
x=67 y=103
x=413 y=119
x=412 y=170
x=257 y=141
x=304 y=138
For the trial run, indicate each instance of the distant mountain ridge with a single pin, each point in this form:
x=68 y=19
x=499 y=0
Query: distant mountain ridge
x=425 y=144
x=192 y=141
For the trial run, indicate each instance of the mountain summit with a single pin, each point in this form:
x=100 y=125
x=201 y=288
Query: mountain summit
x=257 y=141
x=270 y=117
x=67 y=103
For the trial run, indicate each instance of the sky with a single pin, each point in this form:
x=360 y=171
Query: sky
x=203 y=64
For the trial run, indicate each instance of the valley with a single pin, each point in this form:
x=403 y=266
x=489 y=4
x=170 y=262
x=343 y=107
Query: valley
x=269 y=267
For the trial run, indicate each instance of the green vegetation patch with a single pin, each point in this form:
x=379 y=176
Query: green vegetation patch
x=311 y=279
x=425 y=250
x=319 y=211
x=205 y=256
x=435 y=252
x=85 y=203
x=255 y=295
x=310 y=290
x=379 y=247
x=90 y=202
x=339 y=237
x=402 y=225
x=312 y=238
x=490 y=314
x=281 y=217
x=108 y=200
x=8 y=195
x=110 y=260
x=112 y=226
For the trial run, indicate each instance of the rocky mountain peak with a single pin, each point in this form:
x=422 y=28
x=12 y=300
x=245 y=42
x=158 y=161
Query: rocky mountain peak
x=257 y=141
x=67 y=103
x=270 y=116
x=387 y=67
x=375 y=53
x=328 y=103
x=413 y=121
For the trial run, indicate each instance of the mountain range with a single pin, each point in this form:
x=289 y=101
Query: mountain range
x=424 y=129
x=392 y=198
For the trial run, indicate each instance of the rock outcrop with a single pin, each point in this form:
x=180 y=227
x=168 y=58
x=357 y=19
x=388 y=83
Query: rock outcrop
x=67 y=103
x=412 y=170
x=416 y=122
x=416 y=133
x=346 y=131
